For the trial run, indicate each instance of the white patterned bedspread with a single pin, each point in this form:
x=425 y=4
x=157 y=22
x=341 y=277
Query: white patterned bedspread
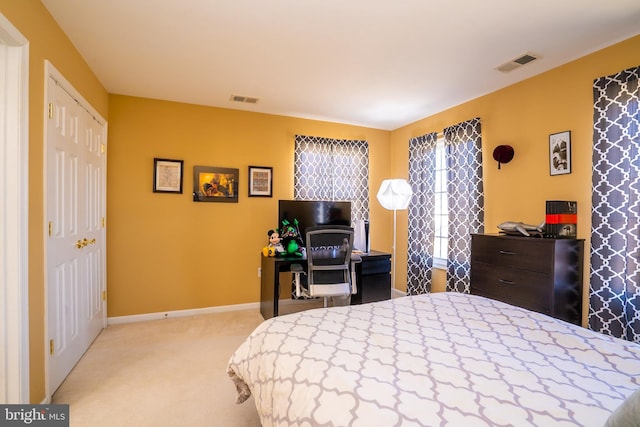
x=432 y=360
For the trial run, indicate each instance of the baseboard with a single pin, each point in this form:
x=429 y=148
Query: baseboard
x=181 y=313
x=398 y=293
x=207 y=310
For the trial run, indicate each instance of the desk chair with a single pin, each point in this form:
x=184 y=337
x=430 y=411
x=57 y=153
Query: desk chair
x=330 y=263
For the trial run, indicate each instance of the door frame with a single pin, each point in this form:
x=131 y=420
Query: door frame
x=14 y=187
x=51 y=71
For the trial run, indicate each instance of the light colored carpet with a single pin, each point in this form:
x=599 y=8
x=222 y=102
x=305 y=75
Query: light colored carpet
x=169 y=372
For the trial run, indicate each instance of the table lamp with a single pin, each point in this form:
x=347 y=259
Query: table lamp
x=394 y=194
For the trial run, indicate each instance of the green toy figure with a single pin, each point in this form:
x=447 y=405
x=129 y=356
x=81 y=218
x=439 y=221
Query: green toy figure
x=291 y=240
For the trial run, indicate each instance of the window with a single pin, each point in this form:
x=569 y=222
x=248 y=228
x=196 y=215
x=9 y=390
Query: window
x=614 y=306
x=332 y=169
x=447 y=206
x=441 y=208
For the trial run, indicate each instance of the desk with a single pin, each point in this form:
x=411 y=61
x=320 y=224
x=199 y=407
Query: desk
x=373 y=279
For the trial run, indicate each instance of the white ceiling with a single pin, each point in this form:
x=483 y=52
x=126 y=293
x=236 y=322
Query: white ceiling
x=374 y=63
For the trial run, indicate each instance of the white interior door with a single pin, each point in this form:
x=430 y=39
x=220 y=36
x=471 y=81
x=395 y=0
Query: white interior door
x=93 y=214
x=75 y=196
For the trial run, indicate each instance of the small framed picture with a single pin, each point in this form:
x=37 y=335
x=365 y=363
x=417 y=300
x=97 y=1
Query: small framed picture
x=167 y=175
x=260 y=181
x=213 y=184
x=560 y=153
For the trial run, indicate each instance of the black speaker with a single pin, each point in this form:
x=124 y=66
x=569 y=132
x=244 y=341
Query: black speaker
x=366 y=236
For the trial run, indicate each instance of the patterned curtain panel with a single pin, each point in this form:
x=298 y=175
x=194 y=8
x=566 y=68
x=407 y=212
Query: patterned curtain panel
x=463 y=144
x=333 y=169
x=422 y=164
x=614 y=299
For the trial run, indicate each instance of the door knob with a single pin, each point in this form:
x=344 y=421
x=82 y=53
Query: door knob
x=84 y=242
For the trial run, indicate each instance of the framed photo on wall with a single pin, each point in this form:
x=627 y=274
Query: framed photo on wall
x=260 y=181
x=214 y=184
x=560 y=153
x=167 y=175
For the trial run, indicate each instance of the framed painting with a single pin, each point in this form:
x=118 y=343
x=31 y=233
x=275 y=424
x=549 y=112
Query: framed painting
x=260 y=181
x=560 y=153
x=214 y=184
x=167 y=175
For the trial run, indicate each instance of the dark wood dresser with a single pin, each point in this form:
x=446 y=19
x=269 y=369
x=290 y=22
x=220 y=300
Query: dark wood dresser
x=540 y=274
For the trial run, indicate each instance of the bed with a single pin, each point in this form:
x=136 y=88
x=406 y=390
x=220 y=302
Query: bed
x=432 y=360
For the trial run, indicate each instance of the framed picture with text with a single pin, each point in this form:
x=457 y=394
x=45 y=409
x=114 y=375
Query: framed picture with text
x=167 y=175
x=260 y=181
x=560 y=153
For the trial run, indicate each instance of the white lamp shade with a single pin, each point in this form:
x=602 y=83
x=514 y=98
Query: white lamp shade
x=395 y=194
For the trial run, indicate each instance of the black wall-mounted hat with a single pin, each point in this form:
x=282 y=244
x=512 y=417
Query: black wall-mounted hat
x=503 y=154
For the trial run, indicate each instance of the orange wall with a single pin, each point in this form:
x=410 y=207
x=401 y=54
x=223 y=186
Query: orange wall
x=46 y=41
x=166 y=252
x=523 y=115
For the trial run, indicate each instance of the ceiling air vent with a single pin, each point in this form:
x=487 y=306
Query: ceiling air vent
x=246 y=99
x=517 y=62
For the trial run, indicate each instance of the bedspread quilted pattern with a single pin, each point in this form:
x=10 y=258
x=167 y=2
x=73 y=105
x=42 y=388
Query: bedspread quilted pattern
x=433 y=360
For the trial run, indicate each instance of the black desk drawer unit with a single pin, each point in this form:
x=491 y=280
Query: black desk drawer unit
x=543 y=275
x=373 y=278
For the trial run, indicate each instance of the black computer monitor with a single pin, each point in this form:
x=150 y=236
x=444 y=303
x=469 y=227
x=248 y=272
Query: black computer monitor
x=314 y=212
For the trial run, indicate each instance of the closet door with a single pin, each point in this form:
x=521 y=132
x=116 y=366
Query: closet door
x=75 y=195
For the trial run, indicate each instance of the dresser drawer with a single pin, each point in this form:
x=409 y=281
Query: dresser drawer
x=375 y=265
x=372 y=288
x=516 y=252
x=526 y=289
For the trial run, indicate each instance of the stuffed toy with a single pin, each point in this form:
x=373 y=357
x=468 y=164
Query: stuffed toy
x=291 y=239
x=275 y=244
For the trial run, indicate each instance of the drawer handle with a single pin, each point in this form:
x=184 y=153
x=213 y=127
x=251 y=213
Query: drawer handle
x=508 y=253
x=506 y=282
